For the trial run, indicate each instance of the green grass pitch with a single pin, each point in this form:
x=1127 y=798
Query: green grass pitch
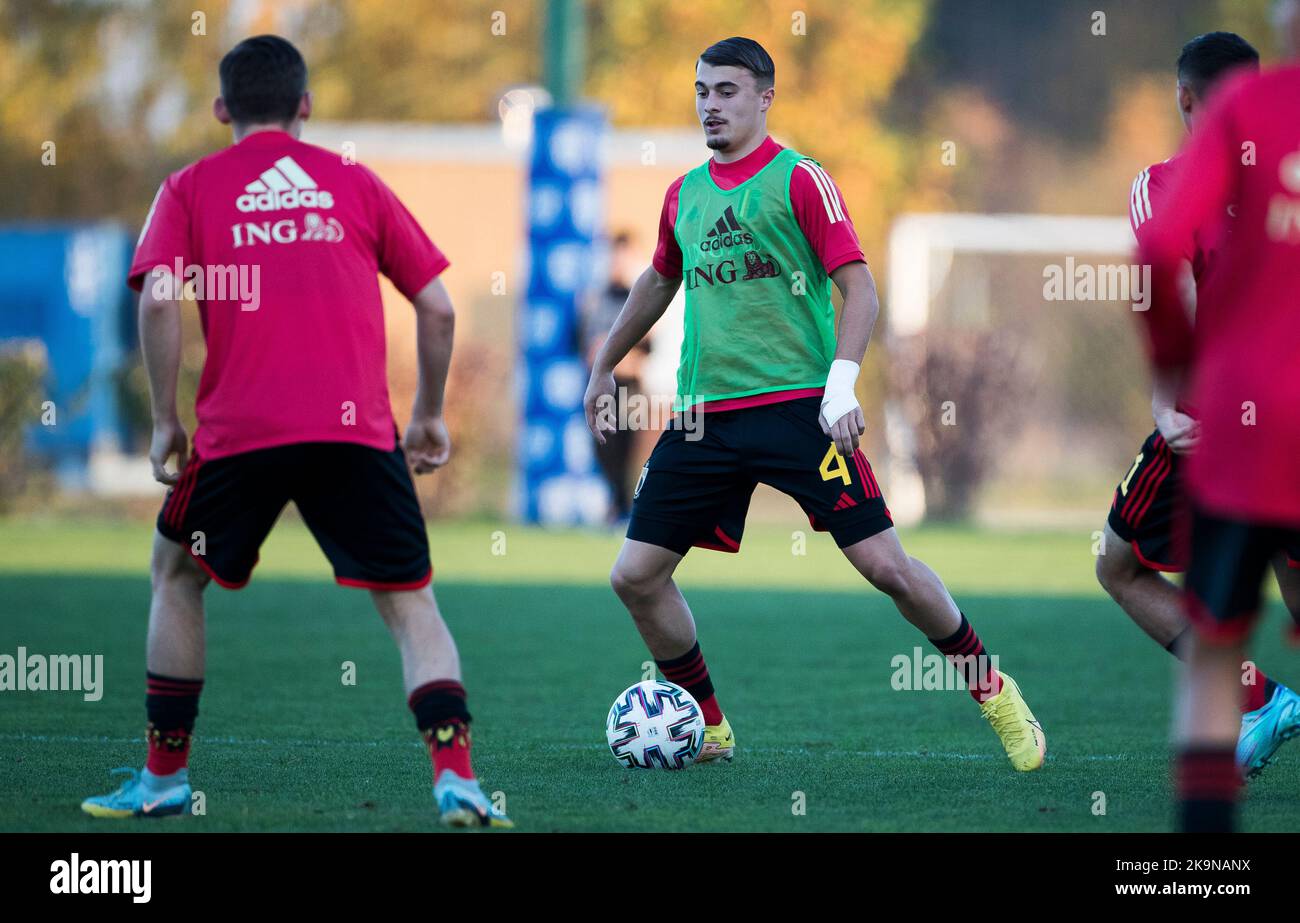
x=798 y=646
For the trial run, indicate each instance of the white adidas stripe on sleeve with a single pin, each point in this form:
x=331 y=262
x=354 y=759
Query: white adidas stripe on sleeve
x=832 y=191
x=830 y=195
x=148 y=219
x=1140 y=199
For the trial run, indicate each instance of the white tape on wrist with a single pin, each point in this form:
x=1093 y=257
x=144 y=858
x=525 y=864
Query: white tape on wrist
x=839 y=398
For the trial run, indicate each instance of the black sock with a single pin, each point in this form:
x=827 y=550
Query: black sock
x=966 y=652
x=439 y=702
x=171 y=706
x=443 y=720
x=690 y=672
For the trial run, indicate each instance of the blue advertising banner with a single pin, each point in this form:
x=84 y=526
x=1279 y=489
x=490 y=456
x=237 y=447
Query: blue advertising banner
x=557 y=481
x=64 y=287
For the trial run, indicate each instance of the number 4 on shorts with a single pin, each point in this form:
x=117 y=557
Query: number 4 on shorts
x=833 y=466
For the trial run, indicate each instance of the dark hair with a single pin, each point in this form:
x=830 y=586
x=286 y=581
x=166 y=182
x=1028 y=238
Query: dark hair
x=262 y=80
x=743 y=52
x=1208 y=57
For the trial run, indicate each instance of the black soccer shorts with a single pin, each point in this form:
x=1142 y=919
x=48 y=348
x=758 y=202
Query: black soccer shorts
x=358 y=502
x=696 y=491
x=1227 y=564
x=1147 y=509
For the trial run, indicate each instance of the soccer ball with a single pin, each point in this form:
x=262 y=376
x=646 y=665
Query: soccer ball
x=655 y=724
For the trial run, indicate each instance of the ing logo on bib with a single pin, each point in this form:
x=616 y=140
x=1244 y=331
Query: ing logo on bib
x=727 y=234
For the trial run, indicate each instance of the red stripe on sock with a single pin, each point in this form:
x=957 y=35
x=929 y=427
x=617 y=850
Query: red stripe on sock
x=151 y=689
x=677 y=669
x=961 y=642
x=437 y=685
x=1255 y=693
x=973 y=646
x=154 y=681
x=1208 y=775
x=685 y=682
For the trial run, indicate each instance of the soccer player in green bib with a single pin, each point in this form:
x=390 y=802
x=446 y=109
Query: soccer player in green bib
x=766 y=394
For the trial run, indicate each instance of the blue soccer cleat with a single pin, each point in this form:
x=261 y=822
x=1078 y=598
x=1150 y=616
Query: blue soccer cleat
x=461 y=803
x=1266 y=728
x=138 y=797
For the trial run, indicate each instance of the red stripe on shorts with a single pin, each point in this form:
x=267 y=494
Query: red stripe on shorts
x=1131 y=503
x=183 y=500
x=1165 y=467
x=864 y=471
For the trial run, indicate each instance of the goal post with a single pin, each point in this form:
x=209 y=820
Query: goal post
x=923 y=249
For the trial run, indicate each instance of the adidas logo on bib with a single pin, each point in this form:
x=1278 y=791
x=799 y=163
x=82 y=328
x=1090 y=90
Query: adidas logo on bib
x=726 y=232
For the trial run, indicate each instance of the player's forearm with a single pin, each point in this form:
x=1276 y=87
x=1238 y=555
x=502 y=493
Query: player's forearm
x=434 y=333
x=650 y=296
x=435 y=325
x=1164 y=394
x=160 y=344
x=859 y=313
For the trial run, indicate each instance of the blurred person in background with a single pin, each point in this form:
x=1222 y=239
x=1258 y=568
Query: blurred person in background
x=616 y=454
x=1140 y=530
x=1237 y=368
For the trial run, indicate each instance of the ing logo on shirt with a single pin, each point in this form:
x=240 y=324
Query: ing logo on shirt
x=329 y=230
x=287 y=231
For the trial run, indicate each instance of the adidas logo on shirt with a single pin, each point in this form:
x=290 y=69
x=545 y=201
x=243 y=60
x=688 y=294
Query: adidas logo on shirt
x=284 y=185
x=727 y=232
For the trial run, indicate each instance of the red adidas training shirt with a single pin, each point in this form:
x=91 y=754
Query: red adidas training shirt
x=1244 y=356
x=307 y=363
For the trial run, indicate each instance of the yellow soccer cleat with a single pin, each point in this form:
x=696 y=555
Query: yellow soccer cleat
x=719 y=743
x=1021 y=734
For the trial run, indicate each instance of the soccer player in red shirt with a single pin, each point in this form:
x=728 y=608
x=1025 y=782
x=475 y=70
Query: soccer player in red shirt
x=283 y=243
x=1139 y=532
x=766 y=389
x=1239 y=370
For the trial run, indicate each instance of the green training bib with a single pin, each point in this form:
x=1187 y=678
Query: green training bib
x=759 y=316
